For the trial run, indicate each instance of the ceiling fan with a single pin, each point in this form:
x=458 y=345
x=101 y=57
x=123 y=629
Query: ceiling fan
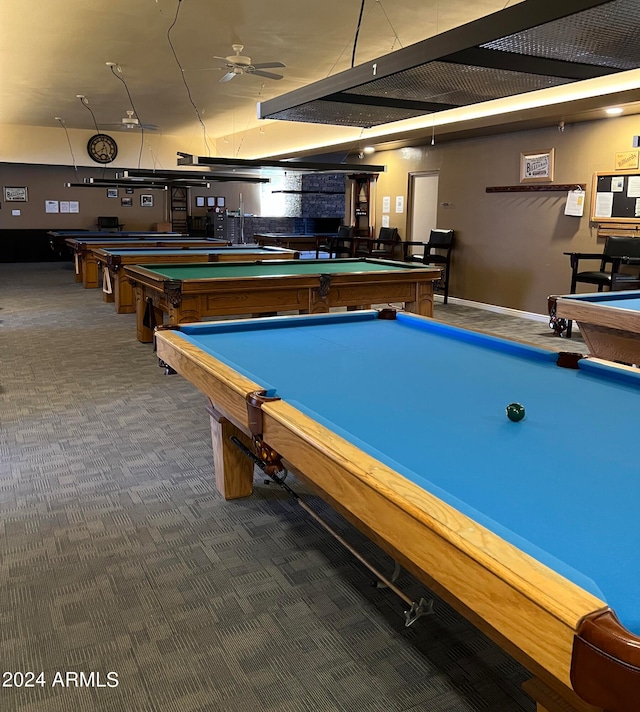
x=131 y=121
x=239 y=64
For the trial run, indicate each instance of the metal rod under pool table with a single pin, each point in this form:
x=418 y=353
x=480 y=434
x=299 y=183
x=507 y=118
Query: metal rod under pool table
x=416 y=609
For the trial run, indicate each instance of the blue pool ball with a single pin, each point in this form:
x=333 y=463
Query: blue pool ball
x=515 y=412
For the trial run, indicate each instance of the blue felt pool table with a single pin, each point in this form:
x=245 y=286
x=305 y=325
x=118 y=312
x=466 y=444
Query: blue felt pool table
x=608 y=321
x=57 y=237
x=86 y=265
x=536 y=542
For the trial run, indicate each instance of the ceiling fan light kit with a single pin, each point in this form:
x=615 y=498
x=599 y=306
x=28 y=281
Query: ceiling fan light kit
x=238 y=58
x=131 y=121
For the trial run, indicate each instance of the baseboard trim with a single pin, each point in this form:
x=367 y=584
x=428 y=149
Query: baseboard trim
x=495 y=308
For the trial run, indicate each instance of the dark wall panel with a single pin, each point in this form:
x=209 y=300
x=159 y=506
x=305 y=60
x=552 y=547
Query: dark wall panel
x=27 y=246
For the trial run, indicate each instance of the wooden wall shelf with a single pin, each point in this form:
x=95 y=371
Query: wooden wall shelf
x=557 y=187
x=618 y=230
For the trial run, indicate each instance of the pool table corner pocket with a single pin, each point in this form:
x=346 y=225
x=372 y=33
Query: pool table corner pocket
x=605 y=665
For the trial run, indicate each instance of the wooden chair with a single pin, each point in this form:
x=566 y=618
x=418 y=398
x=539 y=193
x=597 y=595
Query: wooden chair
x=435 y=252
x=340 y=245
x=111 y=223
x=618 y=251
x=385 y=246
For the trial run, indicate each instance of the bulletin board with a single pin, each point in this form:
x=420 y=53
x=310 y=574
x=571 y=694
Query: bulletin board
x=615 y=198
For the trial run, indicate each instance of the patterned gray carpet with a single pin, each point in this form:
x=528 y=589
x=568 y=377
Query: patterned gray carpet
x=117 y=554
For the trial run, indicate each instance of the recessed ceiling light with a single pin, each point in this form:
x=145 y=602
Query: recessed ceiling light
x=368 y=149
x=614 y=111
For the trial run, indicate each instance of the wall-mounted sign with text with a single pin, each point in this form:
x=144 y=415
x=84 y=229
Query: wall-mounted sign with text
x=15 y=194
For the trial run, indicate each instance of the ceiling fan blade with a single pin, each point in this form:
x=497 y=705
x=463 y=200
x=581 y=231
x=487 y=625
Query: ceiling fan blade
x=143 y=127
x=267 y=75
x=228 y=77
x=268 y=65
x=132 y=127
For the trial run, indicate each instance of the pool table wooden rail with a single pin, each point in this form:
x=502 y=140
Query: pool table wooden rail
x=526 y=607
x=610 y=333
x=194 y=300
x=122 y=291
x=57 y=238
x=303 y=242
x=87 y=269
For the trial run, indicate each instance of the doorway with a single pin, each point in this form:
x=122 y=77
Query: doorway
x=423 y=210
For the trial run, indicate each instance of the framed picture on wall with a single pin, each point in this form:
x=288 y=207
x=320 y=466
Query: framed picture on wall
x=220 y=201
x=200 y=201
x=17 y=195
x=146 y=201
x=211 y=202
x=126 y=202
x=128 y=190
x=537 y=166
x=112 y=192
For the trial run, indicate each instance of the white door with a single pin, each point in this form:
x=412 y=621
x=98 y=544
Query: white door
x=423 y=189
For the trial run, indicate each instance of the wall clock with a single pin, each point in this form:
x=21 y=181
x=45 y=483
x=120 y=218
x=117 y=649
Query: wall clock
x=102 y=148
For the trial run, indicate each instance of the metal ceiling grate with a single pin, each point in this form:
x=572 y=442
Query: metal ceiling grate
x=605 y=36
x=456 y=84
x=534 y=45
x=345 y=114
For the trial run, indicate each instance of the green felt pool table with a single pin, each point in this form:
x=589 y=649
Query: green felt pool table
x=117 y=288
x=186 y=293
x=535 y=542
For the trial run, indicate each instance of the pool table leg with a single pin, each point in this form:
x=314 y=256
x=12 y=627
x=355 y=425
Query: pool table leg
x=233 y=470
x=144 y=332
x=423 y=304
x=182 y=310
x=90 y=272
x=123 y=293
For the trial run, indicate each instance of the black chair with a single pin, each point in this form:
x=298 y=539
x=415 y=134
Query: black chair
x=618 y=251
x=385 y=246
x=340 y=245
x=435 y=252
x=109 y=223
